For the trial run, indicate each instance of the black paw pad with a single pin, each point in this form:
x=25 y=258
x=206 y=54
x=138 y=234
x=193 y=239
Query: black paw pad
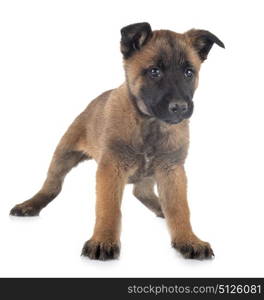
x=101 y=250
x=21 y=210
x=195 y=250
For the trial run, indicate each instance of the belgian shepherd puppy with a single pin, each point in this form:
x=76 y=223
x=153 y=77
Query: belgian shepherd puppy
x=138 y=133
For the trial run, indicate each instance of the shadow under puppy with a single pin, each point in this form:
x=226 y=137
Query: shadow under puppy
x=138 y=133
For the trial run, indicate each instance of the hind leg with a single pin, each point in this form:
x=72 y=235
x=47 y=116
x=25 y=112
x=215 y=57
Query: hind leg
x=64 y=159
x=61 y=164
x=144 y=192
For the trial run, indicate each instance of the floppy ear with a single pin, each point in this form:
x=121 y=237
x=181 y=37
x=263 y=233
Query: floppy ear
x=202 y=41
x=133 y=37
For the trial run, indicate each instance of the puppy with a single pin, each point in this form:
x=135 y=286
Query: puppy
x=138 y=133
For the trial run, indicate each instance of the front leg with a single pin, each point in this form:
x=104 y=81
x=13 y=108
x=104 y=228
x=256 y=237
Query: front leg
x=110 y=182
x=172 y=187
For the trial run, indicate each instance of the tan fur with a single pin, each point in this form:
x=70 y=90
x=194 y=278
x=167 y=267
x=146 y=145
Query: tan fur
x=112 y=120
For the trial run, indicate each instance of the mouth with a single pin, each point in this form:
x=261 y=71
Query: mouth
x=173 y=120
x=165 y=117
x=170 y=117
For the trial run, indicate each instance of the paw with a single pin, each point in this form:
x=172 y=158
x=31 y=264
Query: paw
x=24 y=210
x=194 y=249
x=101 y=250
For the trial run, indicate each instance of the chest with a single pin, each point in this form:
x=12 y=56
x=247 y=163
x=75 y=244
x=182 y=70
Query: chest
x=155 y=147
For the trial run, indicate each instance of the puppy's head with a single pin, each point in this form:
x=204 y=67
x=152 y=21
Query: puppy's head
x=162 y=68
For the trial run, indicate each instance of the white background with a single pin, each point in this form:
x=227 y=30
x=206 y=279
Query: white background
x=55 y=57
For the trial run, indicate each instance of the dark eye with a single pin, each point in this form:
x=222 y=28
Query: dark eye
x=188 y=73
x=154 y=72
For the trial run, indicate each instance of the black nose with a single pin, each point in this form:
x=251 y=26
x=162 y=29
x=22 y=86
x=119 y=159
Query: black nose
x=179 y=107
